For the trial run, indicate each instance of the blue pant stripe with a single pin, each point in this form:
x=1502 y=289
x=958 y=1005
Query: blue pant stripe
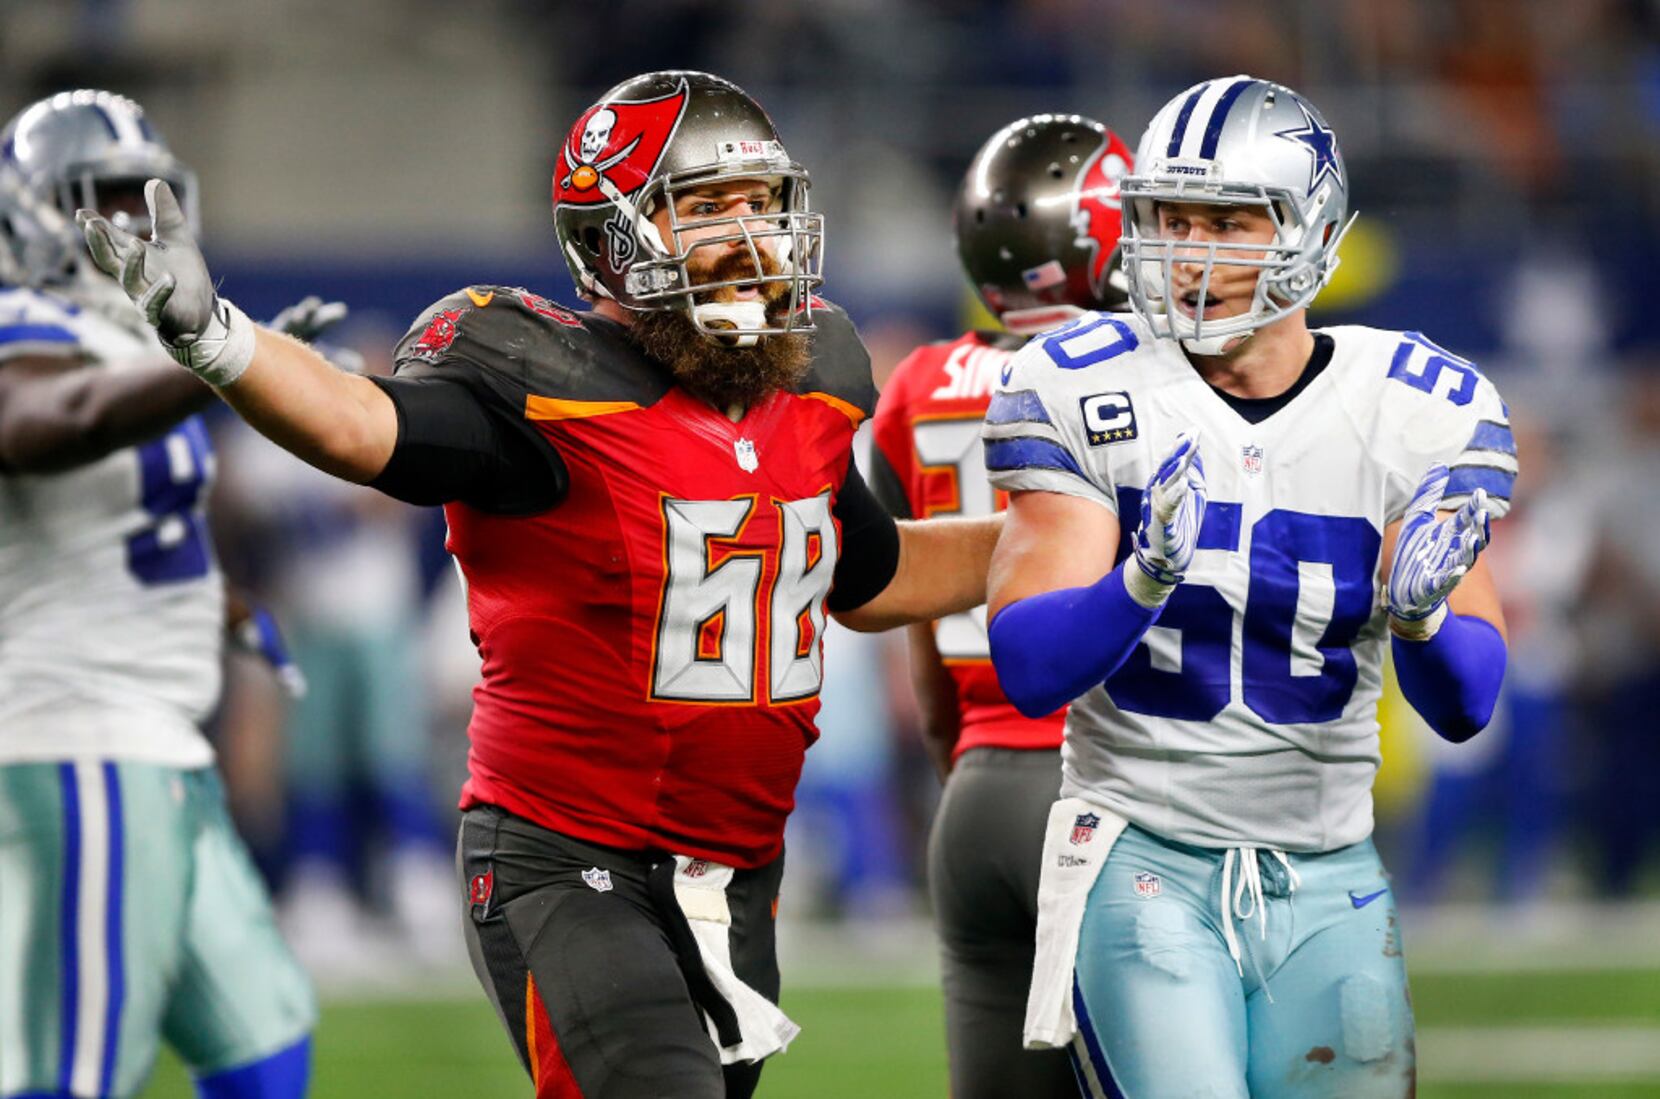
x=282 y=1075
x=1092 y=1042
x=68 y=921
x=112 y=931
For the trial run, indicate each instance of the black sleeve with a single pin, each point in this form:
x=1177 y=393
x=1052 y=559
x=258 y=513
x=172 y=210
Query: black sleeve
x=885 y=483
x=870 y=545
x=454 y=444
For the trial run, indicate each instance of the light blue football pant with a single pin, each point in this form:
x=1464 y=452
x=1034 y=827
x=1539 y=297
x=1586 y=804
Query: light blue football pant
x=1321 y=1009
x=130 y=913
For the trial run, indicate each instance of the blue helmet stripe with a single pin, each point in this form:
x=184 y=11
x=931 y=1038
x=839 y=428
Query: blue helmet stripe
x=109 y=123
x=1182 y=120
x=1219 y=115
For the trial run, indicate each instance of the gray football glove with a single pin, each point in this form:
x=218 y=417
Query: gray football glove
x=168 y=280
x=308 y=318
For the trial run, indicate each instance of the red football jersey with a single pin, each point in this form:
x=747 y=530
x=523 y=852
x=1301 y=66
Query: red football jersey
x=927 y=427
x=652 y=644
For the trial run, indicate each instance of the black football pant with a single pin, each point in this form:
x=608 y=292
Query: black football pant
x=592 y=969
x=984 y=855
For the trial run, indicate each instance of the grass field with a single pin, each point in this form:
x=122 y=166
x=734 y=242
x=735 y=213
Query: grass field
x=1550 y=1034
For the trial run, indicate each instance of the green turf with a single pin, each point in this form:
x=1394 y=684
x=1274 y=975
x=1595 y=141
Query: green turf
x=1627 y=995
x=877 y=1043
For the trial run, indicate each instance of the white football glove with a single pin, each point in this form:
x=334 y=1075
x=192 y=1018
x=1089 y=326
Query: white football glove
x=1172 y=508
x=169 y=282
x=1432 y=556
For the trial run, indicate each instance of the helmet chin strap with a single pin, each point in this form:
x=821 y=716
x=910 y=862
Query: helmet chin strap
x=1216 y=345
x=739 y=314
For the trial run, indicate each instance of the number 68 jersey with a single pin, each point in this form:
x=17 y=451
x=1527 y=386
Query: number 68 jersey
x=1248 y=714
x=111 y=604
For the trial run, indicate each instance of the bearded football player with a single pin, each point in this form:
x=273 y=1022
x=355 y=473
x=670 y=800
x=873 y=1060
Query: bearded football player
x=1037 y=225
x=654 y=507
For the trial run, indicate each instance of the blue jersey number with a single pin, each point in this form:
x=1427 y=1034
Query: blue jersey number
x=172 y=471
x=1085 y=343
x=1282 y=543
x=1432 y=369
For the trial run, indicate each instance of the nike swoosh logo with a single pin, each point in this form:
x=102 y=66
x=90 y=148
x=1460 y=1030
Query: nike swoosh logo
x=1362 y=902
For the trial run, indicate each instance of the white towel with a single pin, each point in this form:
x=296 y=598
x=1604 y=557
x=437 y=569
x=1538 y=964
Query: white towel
x=1075 y=845
x=700 y=887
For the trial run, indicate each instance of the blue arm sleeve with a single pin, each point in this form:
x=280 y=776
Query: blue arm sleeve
x=1048 y=649
x=1453 y=679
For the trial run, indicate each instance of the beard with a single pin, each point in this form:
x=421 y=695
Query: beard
x=719 y=373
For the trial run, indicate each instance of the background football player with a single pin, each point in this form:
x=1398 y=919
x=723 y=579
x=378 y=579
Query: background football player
x=653 y=505
x=1218 y=519
x=1037 y=226
x=132 y=912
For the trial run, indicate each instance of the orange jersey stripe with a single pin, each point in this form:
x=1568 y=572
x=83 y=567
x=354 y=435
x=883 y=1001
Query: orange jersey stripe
x=553 y=408
x=846 y=408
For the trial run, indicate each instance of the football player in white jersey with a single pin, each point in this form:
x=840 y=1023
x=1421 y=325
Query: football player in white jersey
x=1219 y=519
x=131 y=912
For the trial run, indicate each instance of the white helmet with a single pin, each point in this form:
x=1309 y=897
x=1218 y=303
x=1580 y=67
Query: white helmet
x=1244 y=142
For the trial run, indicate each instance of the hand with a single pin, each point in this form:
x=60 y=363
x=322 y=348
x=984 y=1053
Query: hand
x=1172 y=508
x=256 y=632
x=168 y=280
x=308 y=318
x=1431 y=555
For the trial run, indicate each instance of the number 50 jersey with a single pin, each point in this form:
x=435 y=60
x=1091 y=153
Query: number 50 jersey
x=1248 y=714
x=111 y=604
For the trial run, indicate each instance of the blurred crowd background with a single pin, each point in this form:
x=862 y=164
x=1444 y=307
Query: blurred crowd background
x=1505 y=160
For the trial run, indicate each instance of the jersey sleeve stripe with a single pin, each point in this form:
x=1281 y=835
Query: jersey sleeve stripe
x=553 y=408
x=1466 y=479
x=1494 y=436
x=1025 y=452
x=847 y=408
x=1022 y=406
x=35 y=333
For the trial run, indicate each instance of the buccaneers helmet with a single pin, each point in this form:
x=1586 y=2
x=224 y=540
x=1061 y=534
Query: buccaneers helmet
x=70 y=151
x=1244 y=142
x=1037 y=220
x=649 y=139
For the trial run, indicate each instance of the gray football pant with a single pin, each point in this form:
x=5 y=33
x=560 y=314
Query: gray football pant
x=983 y=860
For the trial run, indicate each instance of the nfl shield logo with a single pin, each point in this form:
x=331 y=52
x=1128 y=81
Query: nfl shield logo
x=1253 y=459
x=697 y=868
x=1147 y=885
x=1084 y=827
x=747 y=459
x=598 y=880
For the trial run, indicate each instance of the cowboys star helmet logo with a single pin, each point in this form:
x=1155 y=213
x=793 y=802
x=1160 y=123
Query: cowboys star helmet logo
x=1322 y=146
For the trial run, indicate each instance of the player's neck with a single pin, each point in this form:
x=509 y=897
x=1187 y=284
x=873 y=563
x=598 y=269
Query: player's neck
x=1265 y=365
x=611 y=311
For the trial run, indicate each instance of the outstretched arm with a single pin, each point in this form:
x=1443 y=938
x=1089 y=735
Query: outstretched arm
x=341 y=423
x=58 y=413
x=941 y=570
